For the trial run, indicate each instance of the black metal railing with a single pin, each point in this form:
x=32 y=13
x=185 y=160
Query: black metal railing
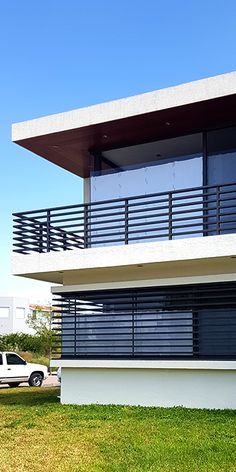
x=199 y=211
x=189 y=322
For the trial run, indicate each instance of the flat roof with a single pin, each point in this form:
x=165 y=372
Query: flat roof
x=67 y=139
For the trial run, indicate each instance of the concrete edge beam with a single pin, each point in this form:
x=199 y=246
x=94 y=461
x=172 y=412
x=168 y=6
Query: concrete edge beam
x=144 y=364
x=176 y=96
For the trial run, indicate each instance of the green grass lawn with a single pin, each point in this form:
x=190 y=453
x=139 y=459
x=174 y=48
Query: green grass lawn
x=39 y=434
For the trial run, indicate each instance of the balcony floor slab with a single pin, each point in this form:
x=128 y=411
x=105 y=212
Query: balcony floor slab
x=185 y=257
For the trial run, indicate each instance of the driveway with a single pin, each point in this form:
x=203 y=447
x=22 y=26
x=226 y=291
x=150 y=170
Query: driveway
x=51 y=381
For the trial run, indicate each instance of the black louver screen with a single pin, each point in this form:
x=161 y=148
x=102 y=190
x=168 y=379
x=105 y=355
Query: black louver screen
x=188 y=321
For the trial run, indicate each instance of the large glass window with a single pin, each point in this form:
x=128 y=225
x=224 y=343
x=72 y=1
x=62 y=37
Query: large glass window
x=150 y=168
x=221 y=169
x=165 y=165
x=156 y=167
x=221 y=150
x=152 y=172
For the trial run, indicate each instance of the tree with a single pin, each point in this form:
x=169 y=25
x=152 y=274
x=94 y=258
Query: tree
x=39 y=319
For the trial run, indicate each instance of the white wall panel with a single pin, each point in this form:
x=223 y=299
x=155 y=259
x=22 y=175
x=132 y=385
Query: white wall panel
x=149 y=387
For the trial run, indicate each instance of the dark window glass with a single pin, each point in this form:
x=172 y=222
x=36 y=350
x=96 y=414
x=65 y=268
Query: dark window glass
x=221 y=149
x=0 y=359
x=221 y=162
x=13 y=359
x=126 y=333
x=217 y=332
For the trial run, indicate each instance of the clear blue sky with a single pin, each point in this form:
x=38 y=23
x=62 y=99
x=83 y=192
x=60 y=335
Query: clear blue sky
x=56 y=55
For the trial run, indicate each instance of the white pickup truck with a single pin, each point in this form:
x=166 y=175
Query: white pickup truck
x=14 y=370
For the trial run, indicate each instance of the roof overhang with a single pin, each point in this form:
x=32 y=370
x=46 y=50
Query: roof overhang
x=68 y=139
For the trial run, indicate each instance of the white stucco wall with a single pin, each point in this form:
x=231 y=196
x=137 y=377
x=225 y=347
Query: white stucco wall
x=190 y=388
x=16 y=310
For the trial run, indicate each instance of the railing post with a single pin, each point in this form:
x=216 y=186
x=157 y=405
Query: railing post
x=134 y=312
x=205 y=212
x=126 y=221
x=86 y=226
x=64 y=241
x=218 y=209
x=48 y=231
x=40 y=237
x=75 y=326
x=195 y=328
x=170 y=232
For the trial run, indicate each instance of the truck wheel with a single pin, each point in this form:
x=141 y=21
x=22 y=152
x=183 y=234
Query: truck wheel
x=36 y=379
x=14 y=384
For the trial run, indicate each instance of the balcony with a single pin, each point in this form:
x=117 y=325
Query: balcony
x=184 y=213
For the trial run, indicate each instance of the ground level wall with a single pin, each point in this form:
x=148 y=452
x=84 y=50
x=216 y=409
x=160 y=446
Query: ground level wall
x=150 y=387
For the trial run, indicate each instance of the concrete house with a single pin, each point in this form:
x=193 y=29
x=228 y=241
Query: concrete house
x=146 y=267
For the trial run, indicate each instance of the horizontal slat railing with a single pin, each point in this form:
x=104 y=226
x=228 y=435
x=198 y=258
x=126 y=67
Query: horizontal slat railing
x=189 y=322
x=199 y=211
x=125 y=334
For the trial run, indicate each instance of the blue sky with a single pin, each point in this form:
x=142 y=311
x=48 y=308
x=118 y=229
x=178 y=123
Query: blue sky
x=60 y=55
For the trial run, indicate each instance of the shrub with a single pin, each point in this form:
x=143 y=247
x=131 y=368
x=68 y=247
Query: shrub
x=25 y=342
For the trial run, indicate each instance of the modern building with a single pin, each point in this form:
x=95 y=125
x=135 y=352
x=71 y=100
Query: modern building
x=14 y=312
x=146 y=267
x=13 y=315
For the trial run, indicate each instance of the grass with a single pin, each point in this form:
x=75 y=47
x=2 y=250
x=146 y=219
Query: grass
x=39 y=434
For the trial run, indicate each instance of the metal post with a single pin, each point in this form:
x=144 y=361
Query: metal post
x=170 y=216
x=134 y=312
x=195 y=335
x=48 y=231
x=205 y=183
x=218 y=210
x=41 y=237
x=126 y=221
x=64 y=239
x=86 y=220
x=75 y=327
x=50 y=347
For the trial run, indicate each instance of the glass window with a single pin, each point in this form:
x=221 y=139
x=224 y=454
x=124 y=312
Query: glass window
x=221 y=169
x=217 y=332
x=4 y=312
x=221 y=150
x=13 y=359
x=150 y=168
x=0 y=359
x=160 y=166
x=20 y=313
